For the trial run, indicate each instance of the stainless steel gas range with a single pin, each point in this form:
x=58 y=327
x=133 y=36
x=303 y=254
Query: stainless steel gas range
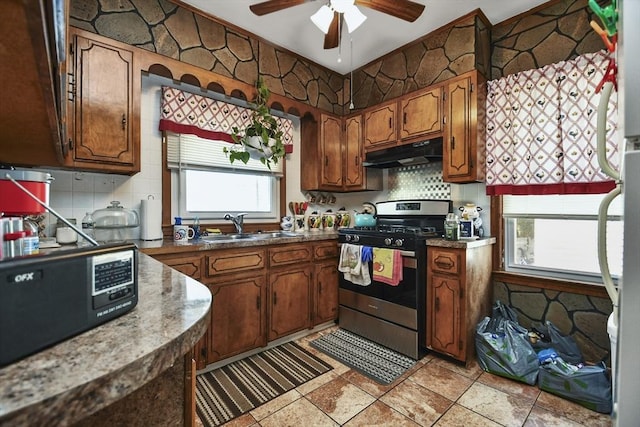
x=394 y=315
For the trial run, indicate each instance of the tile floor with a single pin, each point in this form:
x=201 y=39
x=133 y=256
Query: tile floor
x=435 y=392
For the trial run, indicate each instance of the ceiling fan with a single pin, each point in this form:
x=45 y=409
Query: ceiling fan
x=330 y=17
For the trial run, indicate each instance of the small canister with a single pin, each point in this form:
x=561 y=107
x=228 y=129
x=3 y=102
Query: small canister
x=328 y=221
x=314 y=222
x=452 y=227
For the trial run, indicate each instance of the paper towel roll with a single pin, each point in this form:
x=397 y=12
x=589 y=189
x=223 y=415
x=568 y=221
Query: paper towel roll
x=150 y=219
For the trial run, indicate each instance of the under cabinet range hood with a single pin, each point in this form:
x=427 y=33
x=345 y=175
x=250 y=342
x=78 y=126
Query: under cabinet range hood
x=417 y=153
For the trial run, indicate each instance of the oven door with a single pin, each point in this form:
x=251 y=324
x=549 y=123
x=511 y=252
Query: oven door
x=402 y=304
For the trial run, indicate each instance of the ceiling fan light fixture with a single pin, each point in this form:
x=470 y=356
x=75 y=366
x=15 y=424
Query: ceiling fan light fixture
x=354 y=18
x=323 y=18
x=341 y=6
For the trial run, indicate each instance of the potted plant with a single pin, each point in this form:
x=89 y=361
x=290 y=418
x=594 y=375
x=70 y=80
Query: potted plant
x=262 y=138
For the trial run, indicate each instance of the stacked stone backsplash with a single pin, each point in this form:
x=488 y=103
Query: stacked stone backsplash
x=581 y=316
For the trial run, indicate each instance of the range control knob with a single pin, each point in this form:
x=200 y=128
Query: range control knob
x=388 y=241
x=356 y=238
x=399 y=242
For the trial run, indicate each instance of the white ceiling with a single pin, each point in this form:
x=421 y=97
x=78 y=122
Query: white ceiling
x=378 y=35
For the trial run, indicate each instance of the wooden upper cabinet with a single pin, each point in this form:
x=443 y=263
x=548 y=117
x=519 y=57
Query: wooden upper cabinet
x=353 y=153
x=380 y=126
x=331 y=149
x=104 y=129
x=421 y=114
x=463 y=150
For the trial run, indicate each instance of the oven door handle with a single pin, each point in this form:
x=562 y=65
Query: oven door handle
x=409 y=254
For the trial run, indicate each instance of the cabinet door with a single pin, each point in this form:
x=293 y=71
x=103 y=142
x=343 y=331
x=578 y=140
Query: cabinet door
x=421 y=114
x=380 y=127
x=191 y=265
x=463 y=150
x=445 y=316
x=289 y=301
x=289 y=254
x=354 y=171
x=331 y=143
x=326 y=292
x=105 y=135
x=237 y=317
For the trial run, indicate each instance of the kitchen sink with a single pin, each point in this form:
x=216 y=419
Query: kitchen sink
x=248 y=236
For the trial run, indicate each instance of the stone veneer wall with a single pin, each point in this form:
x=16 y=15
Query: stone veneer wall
x=553 y=34
x=581 y=316
x=173 y=31
x=448 y=52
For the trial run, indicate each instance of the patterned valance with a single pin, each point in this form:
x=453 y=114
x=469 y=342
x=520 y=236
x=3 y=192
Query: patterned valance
x=541 y=130
x=184 y=112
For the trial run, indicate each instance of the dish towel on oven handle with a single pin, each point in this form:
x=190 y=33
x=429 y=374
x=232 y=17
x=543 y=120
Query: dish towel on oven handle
x=351 y=265
x=387 y=266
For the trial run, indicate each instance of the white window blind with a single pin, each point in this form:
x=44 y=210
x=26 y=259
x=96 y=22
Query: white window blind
x=184 y=151
x=557 y=205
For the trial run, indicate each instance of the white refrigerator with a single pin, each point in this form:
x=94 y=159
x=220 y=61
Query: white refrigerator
x=626 y=394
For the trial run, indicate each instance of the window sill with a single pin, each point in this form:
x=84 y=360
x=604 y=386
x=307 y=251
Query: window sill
x=580 y=288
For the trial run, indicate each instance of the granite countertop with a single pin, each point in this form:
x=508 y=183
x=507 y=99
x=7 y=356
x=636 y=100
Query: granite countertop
x=79 y=376
x=463 y=243
x=160 y=247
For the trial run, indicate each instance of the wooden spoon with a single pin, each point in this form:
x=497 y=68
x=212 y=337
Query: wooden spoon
x=293 y=212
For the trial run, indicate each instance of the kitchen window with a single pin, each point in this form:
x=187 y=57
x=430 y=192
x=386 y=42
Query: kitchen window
x=556 y=236
x=206 y=185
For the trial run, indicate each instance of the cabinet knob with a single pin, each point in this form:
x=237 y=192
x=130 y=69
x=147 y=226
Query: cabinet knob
x=124 y=121
x=453 y=143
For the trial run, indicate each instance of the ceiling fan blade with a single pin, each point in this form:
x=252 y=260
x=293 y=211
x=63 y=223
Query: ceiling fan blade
x=271 y=6
x=332 y=39
x=403 y=9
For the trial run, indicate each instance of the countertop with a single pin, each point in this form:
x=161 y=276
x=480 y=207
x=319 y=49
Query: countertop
x=77 y=377
x=462 y=243
x=161 y=247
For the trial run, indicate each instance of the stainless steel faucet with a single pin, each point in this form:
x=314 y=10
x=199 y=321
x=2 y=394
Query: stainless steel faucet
x=237 y=220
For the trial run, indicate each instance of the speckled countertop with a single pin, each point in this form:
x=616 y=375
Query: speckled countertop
x=461 y=244
x=86 y=373
x=159 y=247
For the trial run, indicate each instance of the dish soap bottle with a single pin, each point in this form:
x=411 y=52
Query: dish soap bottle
x=452 y=227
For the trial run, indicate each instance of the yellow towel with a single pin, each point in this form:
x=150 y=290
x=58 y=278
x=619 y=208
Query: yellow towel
x=387 y=266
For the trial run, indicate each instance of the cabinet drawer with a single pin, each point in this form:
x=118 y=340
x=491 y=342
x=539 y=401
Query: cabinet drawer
x=189 y=265
x=445 y=260
x=326 y=250
x=289 y=254
x=235 y=261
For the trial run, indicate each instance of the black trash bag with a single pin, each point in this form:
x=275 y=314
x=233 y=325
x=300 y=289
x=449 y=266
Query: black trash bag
x=589 y=386
x=550 y=337
x=503 y=347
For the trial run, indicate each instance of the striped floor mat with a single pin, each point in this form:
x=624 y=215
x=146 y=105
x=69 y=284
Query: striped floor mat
x=234 y=389
x=373 y=360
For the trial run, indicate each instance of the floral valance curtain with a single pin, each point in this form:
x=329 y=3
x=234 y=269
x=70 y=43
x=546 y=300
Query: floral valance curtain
x=184 y=112
x=541 y=130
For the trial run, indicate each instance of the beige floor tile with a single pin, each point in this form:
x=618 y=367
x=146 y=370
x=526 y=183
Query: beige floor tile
x=340 y=399
x=313 y=384
x=365 y=383
x=461 y=416
x=416 y=402
x=473 y=371
x=275 y=405
x=244 y=420
x=514 y=388
x=572 y=410
x=300 y=413
x=542 y=418
x=379 y=414
x=441 y=380
x=496 y=405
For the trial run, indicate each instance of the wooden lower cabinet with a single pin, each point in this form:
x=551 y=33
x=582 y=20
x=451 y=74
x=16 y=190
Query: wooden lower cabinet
x=458 y=297
x=261 y=293
x=289 y=301
x=238 y=321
